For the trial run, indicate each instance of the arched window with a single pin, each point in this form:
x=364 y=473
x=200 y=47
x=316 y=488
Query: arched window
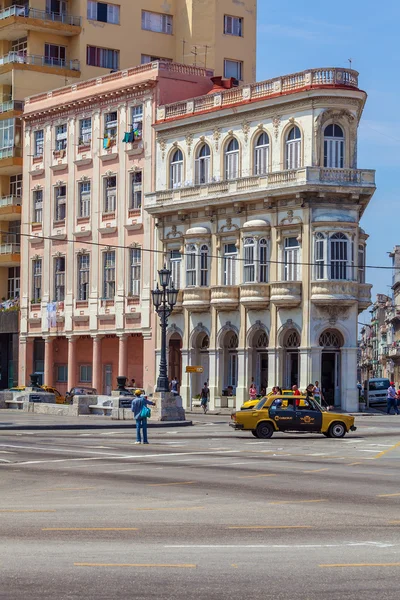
x=330 y=339
x=293 y=148
x=232 y=159
x=292 y=339
x=176 y=169
x=202 y=165
x=196 y=265
x=261 y=154
x=255 y=260
x=333 y=147
x=191 y=266
x=319 y=255
x=339 y=256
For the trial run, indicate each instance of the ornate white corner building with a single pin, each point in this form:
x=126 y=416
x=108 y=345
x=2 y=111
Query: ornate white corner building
x=257 y=203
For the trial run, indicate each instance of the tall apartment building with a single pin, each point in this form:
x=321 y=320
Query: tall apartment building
x=46 y=44
x=258 y=199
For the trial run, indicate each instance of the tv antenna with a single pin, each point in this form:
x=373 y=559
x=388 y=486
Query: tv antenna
x=350 y=62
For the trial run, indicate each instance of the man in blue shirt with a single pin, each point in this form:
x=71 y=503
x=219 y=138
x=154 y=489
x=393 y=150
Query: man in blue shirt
x=392 y=400
x=138 y=403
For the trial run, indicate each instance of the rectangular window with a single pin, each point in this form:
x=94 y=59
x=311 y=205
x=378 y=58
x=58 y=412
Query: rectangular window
x=263 y=260
x=319 y=257
x=84 y=199
x=147 y=58
x=136 y=190
x=249 y=264
x=59 y=279
x=110 y=194
x=7 y=134
x=109 y=275
x=233 y=68
x=60 y=203
x=204 y=266
x=14 y=282
x=103 y=11
x=20 y=46
x=339 y=258
x=37 y=280
x=55 y=55
x=111 y=125
x=85 y=373
x=137 y=121
x=85 y=132
x=16 y=185
x=38 y=142
x=83 y=276
x=175 y=261
x=157 y=22
x=229 y=264
x=291 y=259
x=62 y=373
x=102 y=57
x=191 y=268
x=38 y=206
x=136 y=265
x=61 y=137
x=233 y=25
x=361 y=263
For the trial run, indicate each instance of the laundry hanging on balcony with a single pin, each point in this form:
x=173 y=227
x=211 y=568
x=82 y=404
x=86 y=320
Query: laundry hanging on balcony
x=51 y=314
x=106 y=143
x=134 y=134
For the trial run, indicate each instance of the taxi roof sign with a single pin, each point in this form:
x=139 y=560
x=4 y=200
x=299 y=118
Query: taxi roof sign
x=191 y=369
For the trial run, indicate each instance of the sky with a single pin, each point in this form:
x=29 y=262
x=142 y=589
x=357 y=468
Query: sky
x=294 y=36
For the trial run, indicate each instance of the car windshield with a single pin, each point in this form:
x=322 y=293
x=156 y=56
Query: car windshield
x=261 y=403
x=379 y=384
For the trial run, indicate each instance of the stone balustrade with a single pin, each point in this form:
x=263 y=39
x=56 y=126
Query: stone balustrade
x=225 y=297
x=286 y=293
x=346 y=293
x=197 y=299
x=255 y=295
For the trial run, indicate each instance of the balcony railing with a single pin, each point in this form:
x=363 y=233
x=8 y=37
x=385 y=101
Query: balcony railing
x=10 y=201
x=10 y=105
x=305 y=80
x=9 y=249
x=42 y=15
x=39 y=61
x=13 y=152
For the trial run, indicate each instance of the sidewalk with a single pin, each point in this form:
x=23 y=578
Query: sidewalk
x=11 y=420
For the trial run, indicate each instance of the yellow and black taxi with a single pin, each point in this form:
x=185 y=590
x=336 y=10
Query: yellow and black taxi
x=291 y=413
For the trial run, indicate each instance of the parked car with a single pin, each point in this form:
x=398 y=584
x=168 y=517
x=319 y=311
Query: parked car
x=80 y=391
x=376 y=392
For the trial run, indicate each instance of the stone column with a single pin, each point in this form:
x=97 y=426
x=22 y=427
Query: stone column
x=241 y=389
x=48 y=361
x=123 y=356
x=184 y=390
x=304 y=368
x=72 y=373
x=97 y=374
x=25 y=361
x=272 y=368
x=316 y=357
x=348 y=380
x=213 y=377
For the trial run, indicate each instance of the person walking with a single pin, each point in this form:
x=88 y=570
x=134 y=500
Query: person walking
x=205 y=396
x=392 y=399
x=141 y=413
x=173 y=386
x=317 y=393
x=253 y=392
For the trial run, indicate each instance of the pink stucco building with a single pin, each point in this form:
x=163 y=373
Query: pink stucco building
x=87 y=266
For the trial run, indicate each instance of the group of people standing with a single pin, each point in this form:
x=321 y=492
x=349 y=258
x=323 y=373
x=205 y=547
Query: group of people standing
x=313 y=390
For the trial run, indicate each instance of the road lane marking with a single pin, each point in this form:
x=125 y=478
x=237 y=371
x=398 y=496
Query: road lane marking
x=67 y=489
x=283 y=546
x=387 y=495
x=269 y=527
x=174 y=483
x=146 y=566
x=353 y=464
x=360 y=565
x=177 y=508
x=260 y=475
x=296 y=501
x=235 y=566
x=17 y=510
x=315 y=470
x=387 y=450
x=89 y=529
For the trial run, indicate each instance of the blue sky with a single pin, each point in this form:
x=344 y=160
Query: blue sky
x=293 y=36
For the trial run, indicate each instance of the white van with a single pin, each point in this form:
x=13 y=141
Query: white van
x=377 y=390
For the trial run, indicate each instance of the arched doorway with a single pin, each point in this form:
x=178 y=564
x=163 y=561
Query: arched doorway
x=200 y=357
x=175 y=357
x=331 y=341
x=259 y=359
x=230 y=344
x=291 y=345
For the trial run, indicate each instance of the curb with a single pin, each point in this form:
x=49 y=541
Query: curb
x=65 y=427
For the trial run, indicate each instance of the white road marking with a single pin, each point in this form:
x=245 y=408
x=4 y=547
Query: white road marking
x=284 y=546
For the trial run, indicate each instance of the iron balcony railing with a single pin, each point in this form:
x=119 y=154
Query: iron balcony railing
x=40 y=61
x=42 y=15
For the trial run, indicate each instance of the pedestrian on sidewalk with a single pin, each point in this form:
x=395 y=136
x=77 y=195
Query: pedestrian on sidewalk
x=392 y=399
x=141 y=413
x=205 y=396
x=253 y=391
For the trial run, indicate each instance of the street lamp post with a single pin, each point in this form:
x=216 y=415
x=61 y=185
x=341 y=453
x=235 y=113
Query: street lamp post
x=164 y=300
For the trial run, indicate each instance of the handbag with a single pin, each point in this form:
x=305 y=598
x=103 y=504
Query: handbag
x=145 y=413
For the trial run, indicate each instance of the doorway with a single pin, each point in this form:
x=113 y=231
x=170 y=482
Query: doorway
x=331 y=341
x=175 y=358
x=107 y=378
x=291 y=345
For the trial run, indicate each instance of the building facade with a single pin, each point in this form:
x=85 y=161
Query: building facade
x=86 y=241
x=257 y=205
x=46 y=44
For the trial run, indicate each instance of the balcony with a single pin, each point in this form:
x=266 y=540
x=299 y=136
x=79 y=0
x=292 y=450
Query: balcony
x=34 y=62
x=197 y=299
x=10 y=160
x=10 y=208
x=332 y=292
x=364 y=296
x=394 y=351
x=288 y=84
x=225 y=297
x=257 y=186
x=9 y=255
x=255 y=295
x=17 y=21
x=11 y=106
x=286 y=293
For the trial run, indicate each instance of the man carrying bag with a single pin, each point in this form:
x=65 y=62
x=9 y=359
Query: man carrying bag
x=141 y=413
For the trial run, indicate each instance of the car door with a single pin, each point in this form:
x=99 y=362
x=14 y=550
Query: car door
x=282 y=411
x=308 y=416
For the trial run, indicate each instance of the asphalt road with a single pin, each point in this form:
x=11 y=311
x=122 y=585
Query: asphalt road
x=203 y=512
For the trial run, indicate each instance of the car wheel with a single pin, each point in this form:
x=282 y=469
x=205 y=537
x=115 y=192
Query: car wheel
x=337 y=430
x=254 y=432
x=264 y=430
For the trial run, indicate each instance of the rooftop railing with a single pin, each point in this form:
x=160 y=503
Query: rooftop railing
x=305 y=80
x=40 y=61
x=42 y=15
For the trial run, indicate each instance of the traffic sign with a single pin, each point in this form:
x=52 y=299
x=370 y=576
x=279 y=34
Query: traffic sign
x=194 y=370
